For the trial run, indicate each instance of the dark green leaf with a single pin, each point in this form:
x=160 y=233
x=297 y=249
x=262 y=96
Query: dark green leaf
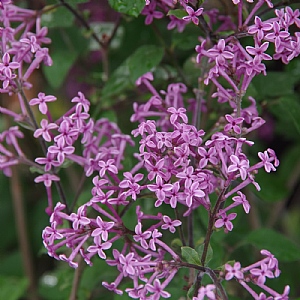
x=209 y=254
x=143 y=60
x=191 y=292
x=275 y=84
x=68 y=45
x=176 y=244
x=129 y=7
x=178 y=13
x=75 y=2
x=58 y=17
x=279 y=245
x=272 y=186
x=117 y=83
x=12 y=288
x=190 y=255
x=287 y=110
x=291 y=110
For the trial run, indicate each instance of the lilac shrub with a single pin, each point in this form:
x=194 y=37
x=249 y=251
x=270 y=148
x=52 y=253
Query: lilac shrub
x=178 y=164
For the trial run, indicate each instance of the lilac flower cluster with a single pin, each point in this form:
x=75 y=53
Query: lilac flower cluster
x=178 y=164
x=22 y=51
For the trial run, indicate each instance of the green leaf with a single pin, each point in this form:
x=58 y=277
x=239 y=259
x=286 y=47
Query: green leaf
x=209 y=254
x=12 y=288
x=143 y=60
x=176 y=245
x=58 y=17
x=273 y=188
x=129 y=7
x=279 y=245
x=191 y=292
x=178 y=13
x=190 y=255
x=291 y=109
x=67 y=45
x=117 y=83
x=186 y=41
x=287 y=110
x=75 y=2
x=275 y=84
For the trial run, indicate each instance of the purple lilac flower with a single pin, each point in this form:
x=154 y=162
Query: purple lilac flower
x=169 y=224
x=219 y=54
x=102 y=229
x=206 y=291
x=240 y=165
x=241 y=199
x=80 y=218
x=225 y=221
x=61 y=150
x=234 y=271
x=175 y=22
x=6 y=68
x=44 y=130
x=193 y=15
x=98 y=247
x=262 y=273
x=41 y=101
x=46 y=179
x=158 y=290
x=259 y=28
x=150 y=13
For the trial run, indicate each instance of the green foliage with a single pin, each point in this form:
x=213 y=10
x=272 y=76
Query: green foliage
x=287 y=110
x=190 y=255
x=143 y=60
x=12 y=288
x=178 y=13
x=58 y=17
x=129 y=7
x=279 y=245
x=275 y=84
x=209 y=254
x=68 y=46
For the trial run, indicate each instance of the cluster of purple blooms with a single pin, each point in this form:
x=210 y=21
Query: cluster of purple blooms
x=178 y=164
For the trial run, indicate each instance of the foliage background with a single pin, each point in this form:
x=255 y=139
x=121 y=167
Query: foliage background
x=107 y=77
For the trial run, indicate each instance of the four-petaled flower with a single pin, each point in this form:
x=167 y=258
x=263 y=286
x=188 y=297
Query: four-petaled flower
x=233 y=123
x=177 y=113
x=240 y=165
x=80 y=218
x=127 y=263
x=241 y=199
x=107 y=166
x=160 y=188
x=206 y=291
x=262 y=273
x=47 y=179
x=103 y=228
x=61 y=150
x=233 y=271
x=44 y=131
x=158 y=290
x=225 y=221
x=219 y=54
x=6 y=68
x=193 y=15
x=98 y=247
x=266 y=161
x=169 y=224
x=41 y=101
x=141 y=236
